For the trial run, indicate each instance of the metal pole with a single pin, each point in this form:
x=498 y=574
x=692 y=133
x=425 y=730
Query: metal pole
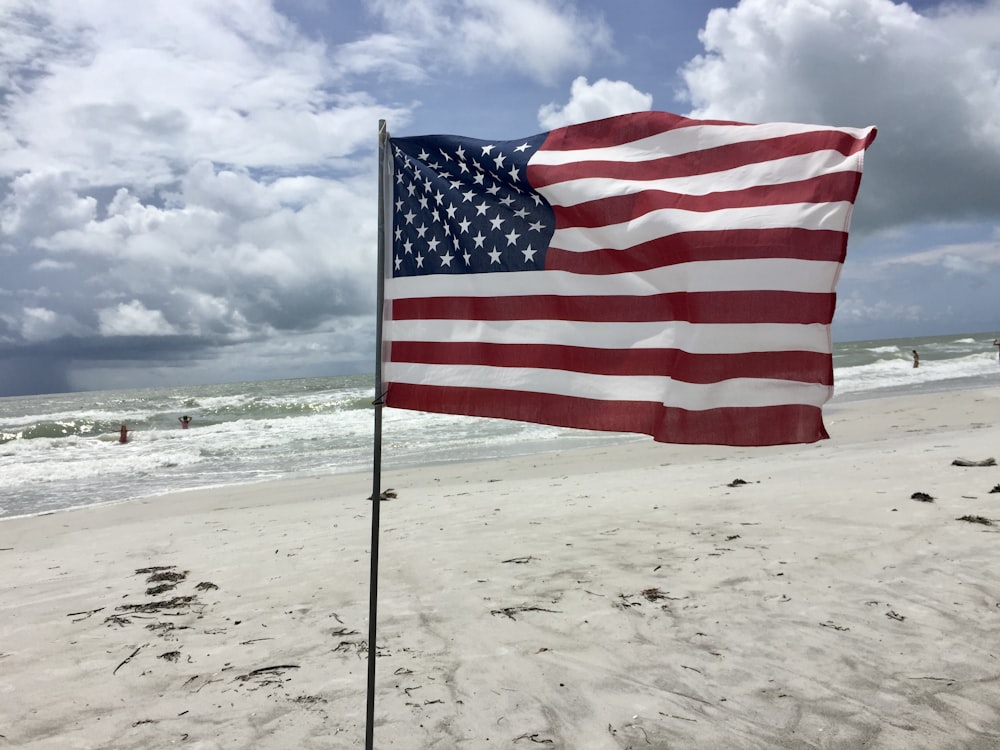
x=383 y=139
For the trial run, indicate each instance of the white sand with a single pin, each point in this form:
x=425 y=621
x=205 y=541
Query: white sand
x=618 y=598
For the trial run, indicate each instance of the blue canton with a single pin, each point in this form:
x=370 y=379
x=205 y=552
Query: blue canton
x=462 y=205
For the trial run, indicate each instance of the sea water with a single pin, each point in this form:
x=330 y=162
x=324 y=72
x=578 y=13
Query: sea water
x=62 y=451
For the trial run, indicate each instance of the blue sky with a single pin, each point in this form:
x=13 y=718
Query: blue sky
x=187 y=189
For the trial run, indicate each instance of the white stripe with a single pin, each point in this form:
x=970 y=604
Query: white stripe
x=776 y=172
x=738 y=392
x=685 y=140
x=756 y=274
x=667 y=221
x=696 y=338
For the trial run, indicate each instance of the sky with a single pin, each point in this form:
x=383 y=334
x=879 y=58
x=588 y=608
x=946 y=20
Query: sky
x=188 y=189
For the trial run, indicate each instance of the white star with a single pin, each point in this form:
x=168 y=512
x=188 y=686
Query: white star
x=479 y=239
x=529 y=254
x=464 y=225
x=420 y=261
x=446 y=259
x=497 y=222
x=398 y=262
x=512 y=237
x=535 y=226
x=499 y=160
x=433 y=244
x=461 y=152
x=521 y=212
x=468 y=195
x=423 y=202
x=515 y=174
x=523 y=147
x=487 y=149
x=495 y=256
x=451 y=210
x=408 y=247
x=467 y=258
x=423 y=155
x=481 y=209
x=409 y=216
x=399 y=234
x=421 y=231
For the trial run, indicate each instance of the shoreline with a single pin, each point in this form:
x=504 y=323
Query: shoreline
x=590 y=441
x=599 y=597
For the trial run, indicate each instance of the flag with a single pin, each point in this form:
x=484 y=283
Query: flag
x=645 y=273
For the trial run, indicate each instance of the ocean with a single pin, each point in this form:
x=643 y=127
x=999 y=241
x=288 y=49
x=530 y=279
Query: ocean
x=62 y=451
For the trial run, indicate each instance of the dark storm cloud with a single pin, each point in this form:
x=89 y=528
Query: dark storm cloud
x=24 y=374
x=45 y=367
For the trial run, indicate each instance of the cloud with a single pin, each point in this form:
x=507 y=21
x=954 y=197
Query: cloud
x=133 y=319
x=42 y=324
x=538 y=39
x=595 y=101
x=122 y=97
x=931 y=83
x=187 y=188
x=972 y=258
x=40 y=199
x=854 y=309
x=196 y=172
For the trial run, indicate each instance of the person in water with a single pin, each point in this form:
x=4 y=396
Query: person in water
x=996 y=343
x=185 y=421
x=916 y=359
x=123 y=437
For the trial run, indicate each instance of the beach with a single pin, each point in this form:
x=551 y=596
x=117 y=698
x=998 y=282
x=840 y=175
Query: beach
x=625 y=596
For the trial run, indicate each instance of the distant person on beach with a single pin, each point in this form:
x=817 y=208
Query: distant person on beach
x=997 y=345
x=185 y=421
x=123 y=437
x=916 y=359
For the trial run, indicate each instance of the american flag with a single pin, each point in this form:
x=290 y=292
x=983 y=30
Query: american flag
x=645 y=273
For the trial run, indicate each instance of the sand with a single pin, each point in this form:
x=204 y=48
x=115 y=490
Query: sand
x=637 y=596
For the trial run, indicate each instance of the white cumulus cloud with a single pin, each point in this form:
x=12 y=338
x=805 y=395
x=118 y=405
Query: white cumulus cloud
x=133 y=319
x=587 y=101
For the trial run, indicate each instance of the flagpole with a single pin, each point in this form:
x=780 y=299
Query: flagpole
x=383 y=139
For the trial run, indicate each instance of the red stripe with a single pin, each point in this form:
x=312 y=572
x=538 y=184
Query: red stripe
x=799 y=366
x=744 y=426
x=694 y=307
x=618 y=209
x=707 y=161
x=688 y=247
x=615 y=131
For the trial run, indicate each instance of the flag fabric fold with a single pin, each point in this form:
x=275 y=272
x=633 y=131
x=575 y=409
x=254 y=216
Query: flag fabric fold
x=645 y=273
